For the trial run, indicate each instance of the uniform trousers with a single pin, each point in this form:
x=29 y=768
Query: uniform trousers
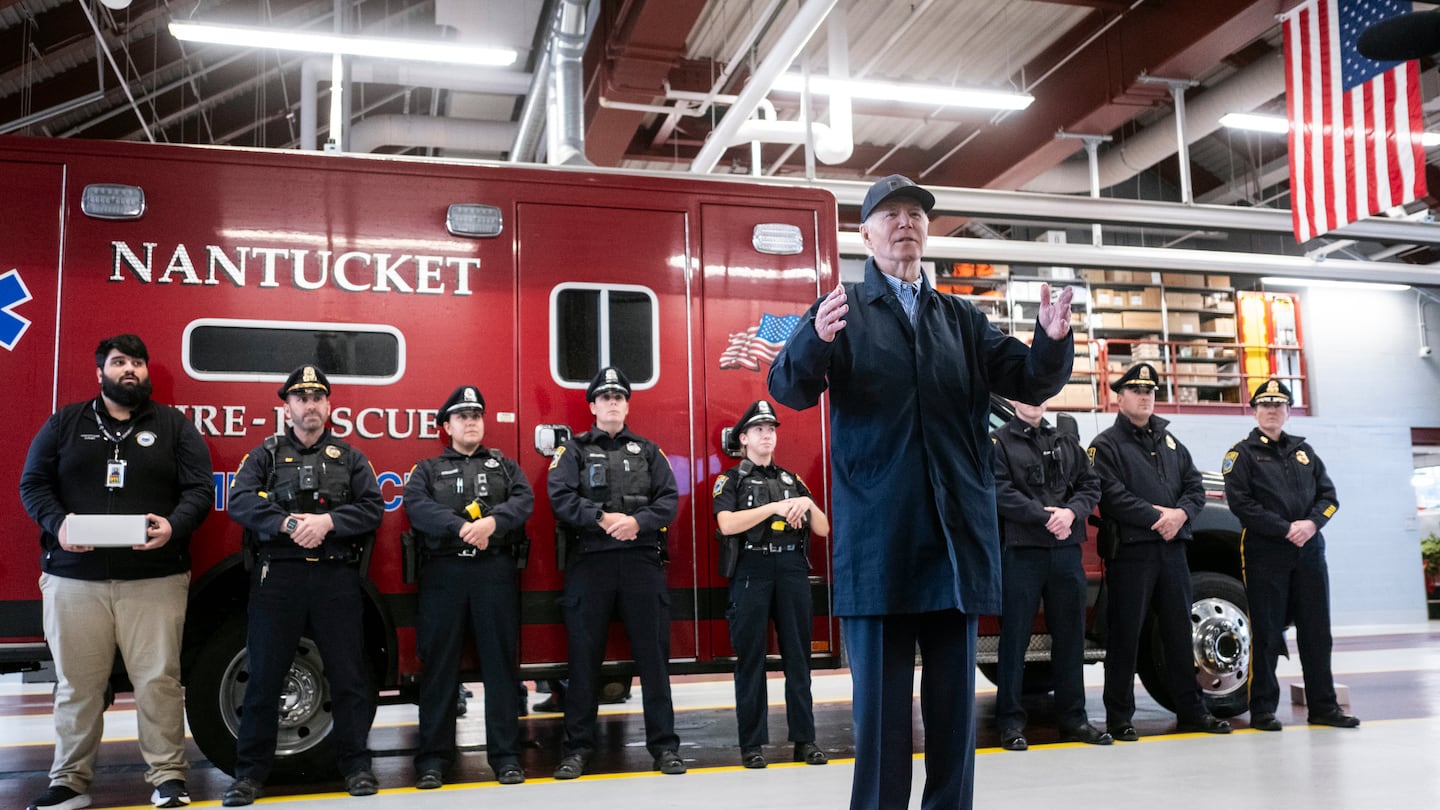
x=1140 y=577
x=1283 y=581
x=1056 y=575
x=765 y=587
x=630 y=582
x=85 y=622
x=287 y=599
x=481 y=591
x=882 y=670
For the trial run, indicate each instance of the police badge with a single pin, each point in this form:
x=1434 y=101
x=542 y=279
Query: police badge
x=1301 y=457
x=633 y=448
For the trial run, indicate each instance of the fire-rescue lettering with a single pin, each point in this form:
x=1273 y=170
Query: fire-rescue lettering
x=368 y=423
x=351 y=271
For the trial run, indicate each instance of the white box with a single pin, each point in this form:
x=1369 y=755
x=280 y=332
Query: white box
x=120 y=531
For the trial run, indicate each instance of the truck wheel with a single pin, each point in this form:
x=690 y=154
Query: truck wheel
x=1220 y=639
x=215 y=693
x=1039 y=677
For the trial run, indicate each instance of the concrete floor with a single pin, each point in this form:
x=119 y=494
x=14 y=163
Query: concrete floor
x=1393 y=676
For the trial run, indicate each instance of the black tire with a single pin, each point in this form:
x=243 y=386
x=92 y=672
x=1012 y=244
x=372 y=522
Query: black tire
x=1039 y=677
x=1220 y=639
x=215 y=691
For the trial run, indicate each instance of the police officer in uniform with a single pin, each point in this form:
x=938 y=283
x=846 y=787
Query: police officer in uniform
x=313 y=505
x=1044 y=491
x=1150 y=492
x=1278 y=488
x=468 y=508
x=613 y=491
x=767 y=512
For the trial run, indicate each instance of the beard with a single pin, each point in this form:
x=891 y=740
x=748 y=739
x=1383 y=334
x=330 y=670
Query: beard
x=126 y=396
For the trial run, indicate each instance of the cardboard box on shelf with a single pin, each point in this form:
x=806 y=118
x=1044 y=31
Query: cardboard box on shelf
x=1102 y=296
x=1083 y=365
x=1143 y=298
x=1183 y=323
x=1219 y=326
x=1143 y=320
x=1183 y=300
x=1187 y=396
x=1217 y=281
x=1144 y=277
x=1074 y=396
x=1183 y=279
x=1149 y=350
x=1092 y=276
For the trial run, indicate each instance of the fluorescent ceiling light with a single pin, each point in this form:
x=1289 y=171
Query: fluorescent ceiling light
x=1279 y=125
x=1285 y=281
x=413 y=50
x=906 y=93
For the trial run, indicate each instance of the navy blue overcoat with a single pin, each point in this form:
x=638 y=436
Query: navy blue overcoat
x=914 y=499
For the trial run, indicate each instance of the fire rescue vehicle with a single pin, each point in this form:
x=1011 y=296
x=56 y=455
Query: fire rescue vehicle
x=403 y=278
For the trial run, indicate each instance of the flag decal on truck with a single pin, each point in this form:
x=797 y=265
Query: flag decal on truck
x=763 y=341
x=13 y=293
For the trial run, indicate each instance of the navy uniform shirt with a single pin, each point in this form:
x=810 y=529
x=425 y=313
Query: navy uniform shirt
x=1141 y=467
x=1269 y=484
x=1036 y=467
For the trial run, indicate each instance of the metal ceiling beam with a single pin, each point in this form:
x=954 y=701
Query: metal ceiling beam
x=1097 y=89
x=632 y=50
x=1199 y=261
x=1113 y=211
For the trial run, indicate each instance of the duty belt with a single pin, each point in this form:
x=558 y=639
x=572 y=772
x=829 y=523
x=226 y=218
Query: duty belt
x=773 y=548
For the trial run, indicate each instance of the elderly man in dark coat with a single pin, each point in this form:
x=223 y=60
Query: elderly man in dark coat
x=917 y=552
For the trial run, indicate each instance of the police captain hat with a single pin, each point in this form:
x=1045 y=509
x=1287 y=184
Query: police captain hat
x=896 y=185
x=760 y=412
x=1140 y=375
x=1272 y=392
x=608 y=379
x=464 y=398
x=305 y=378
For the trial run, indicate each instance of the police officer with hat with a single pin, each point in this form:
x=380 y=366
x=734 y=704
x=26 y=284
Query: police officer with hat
x=1277 y=486
x=613 y=491
x=1044 y=491
x=767 y=513
x=468 y=508
x=312 y=505
x=1150 y=493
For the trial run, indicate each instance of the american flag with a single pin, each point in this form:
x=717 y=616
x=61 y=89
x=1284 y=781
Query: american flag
x=1355 y=123
x=763 y=341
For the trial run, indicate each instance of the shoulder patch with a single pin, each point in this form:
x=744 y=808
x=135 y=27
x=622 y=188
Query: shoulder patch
x=239 y=468
x=719 y=485
x=1329 y=511
x=1229 y=463
x=555 y=460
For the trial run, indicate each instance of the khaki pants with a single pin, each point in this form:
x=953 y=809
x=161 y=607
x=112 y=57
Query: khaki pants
x=85 y=622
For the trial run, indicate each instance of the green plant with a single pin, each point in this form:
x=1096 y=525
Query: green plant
x=1430 y=553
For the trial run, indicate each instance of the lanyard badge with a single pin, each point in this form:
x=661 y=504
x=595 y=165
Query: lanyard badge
x=115 y=473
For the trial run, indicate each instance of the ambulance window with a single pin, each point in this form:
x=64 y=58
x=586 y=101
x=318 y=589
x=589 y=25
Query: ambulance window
x=220 y=349
x=594 y=326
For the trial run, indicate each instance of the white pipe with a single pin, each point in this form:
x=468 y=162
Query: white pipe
x=422 y=130
x=787 y=48
x=566 y=100
x=1242 y=92
x=315 y=69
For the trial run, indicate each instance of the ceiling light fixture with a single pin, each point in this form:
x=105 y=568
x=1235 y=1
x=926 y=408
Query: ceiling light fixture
x=1282 y=281
x=412 y=50
x=1279 y=125
x=906 y=93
